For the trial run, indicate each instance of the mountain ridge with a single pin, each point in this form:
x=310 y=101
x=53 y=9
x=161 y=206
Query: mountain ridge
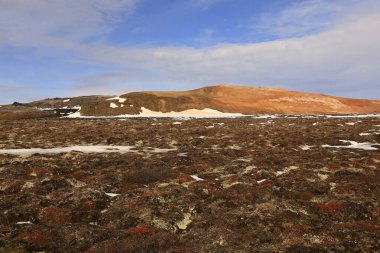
x=224 y=98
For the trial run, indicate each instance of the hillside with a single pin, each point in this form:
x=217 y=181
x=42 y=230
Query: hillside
x=222 y=98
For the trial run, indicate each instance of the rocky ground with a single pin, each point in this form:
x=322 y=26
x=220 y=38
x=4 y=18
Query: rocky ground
x=229 y=185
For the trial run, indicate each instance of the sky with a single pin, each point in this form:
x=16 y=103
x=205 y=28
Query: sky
x=64 y=48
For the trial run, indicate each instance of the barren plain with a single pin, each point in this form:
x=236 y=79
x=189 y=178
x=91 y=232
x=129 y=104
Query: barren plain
x=287 y=184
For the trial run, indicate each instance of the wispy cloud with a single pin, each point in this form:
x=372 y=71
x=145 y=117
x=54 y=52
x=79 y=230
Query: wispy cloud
x=58 y=23
x=302 y=18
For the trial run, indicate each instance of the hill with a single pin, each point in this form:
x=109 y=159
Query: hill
x=221 y=98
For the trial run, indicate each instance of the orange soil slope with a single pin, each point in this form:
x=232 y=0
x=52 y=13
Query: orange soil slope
x=250 y=100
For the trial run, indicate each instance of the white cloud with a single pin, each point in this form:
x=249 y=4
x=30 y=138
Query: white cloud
x=304 y=17
x=58 y=23
x=339 y=61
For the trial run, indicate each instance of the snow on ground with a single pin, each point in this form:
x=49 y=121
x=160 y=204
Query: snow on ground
x=352 y=116
x=261 y=181
x=113 y=105
x=121 y=100
x=75 y=114
x=364 y=134
x=355 y=145
x=84 y=149
x=24 y=223
x=112 y=195
x=306 y=147
x=195 y=177
x=146 y=113
x=205 y=113
x=352 y=123
x=66 y=100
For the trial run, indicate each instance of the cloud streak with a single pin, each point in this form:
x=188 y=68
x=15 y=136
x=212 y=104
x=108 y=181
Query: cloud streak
x=59 y=23
x=303 y=18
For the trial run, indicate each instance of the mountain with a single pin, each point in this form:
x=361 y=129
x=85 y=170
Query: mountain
x=223 y=98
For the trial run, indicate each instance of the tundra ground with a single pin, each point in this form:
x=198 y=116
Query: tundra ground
x=219 y=185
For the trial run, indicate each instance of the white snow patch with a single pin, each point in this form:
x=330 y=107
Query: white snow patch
x=364 y=134
x=306 y=147
x=351 y=116
x=75 y=114
x=352 y=123
x=191 y=113
x=261 y=181
x=112 y=195
x=24 y=223
x=195 y=177
x=121 y=100
x=66 y=100
x=113 y=105
x=84 y=149
x=177 y=123
x=355 y=145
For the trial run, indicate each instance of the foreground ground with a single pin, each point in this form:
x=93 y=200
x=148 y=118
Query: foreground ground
x=227 y=185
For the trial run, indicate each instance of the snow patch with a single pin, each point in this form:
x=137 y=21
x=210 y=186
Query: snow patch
x=113 y=105
x=24 y=223
x=75 y=114
x=84 y=149
x=66 y=100
x=121 y=100
x=112 y=195
x=261 y=181
x=352 y=123
x=191 y=113
x=355 y=145
x=196 y=178
x=306 y=147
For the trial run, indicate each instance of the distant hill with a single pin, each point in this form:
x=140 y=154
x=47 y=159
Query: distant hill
x=223 y=98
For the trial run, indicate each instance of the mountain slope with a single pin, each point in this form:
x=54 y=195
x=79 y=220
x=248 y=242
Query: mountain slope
x=223 y=98
x=250 y=100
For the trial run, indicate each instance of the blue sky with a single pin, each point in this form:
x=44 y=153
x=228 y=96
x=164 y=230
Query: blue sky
x=66 y=48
